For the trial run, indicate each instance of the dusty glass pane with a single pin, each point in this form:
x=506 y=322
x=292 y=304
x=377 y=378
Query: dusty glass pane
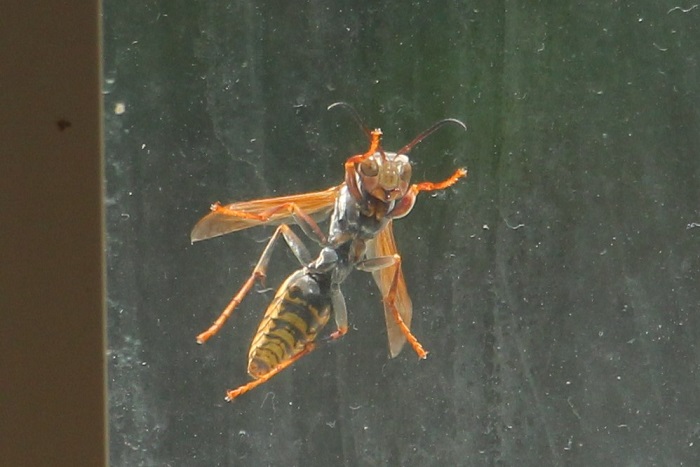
x=556 y=288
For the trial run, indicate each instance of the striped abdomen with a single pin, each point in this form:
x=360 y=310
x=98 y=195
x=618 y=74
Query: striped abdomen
x=300 y=309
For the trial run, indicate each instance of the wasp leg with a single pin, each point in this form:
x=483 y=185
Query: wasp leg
x=341 y=319
x=259 y=272
x=351 y=164
x=405 y=204
x=381 y=262
x=340 y=312
x=304 y=220
x=448 y=182
x=233 y=393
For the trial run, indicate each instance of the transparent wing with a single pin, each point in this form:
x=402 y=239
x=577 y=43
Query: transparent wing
x=232 y=217
x=385 y=245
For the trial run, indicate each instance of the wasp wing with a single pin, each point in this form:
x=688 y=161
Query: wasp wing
x=224 y=219
x=385 y=245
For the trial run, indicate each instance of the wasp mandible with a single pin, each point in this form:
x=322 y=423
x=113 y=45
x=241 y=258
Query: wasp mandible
x=376 y=190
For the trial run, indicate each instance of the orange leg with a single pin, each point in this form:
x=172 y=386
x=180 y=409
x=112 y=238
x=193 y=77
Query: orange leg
x=233 y=393
x=381 y=262
x=307 y=224
x=351 y=163
x=226 y=314
x=259 y=273
x=308 y=348
x=389 y=300
x=375 y=141
x=404 y=205
x=430 y=186
x=340 y=332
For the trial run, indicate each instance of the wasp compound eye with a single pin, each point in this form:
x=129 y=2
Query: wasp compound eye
x=369 y=168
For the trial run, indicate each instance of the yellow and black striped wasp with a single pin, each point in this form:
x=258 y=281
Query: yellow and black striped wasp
x=376 y=190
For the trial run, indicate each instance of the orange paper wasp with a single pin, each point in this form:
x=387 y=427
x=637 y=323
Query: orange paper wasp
x=376 y=191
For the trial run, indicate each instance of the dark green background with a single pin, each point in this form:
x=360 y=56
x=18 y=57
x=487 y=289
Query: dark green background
x=556 y=287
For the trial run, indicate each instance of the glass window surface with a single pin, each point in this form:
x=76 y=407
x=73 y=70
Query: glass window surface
x=556 y=287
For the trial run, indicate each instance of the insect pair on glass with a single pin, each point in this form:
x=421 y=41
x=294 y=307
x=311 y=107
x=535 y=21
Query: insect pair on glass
x=376 y=190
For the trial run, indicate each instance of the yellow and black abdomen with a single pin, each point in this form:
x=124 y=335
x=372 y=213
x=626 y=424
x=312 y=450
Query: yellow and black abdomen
x=301 y=308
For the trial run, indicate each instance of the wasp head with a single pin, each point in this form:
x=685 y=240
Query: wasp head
x=386 y=176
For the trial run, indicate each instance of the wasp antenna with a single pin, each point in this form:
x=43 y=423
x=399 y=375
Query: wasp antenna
x=355 y=115
x=406 y=149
